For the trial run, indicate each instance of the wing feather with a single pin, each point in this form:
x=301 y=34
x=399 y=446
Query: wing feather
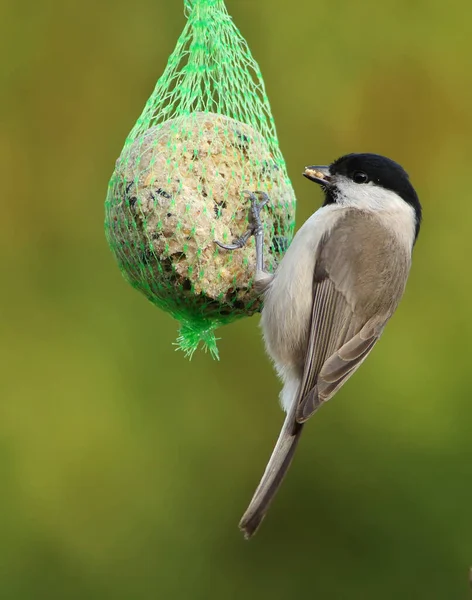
x=354 y=295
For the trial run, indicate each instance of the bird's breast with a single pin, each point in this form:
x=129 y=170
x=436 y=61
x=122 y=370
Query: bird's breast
x=288 y=300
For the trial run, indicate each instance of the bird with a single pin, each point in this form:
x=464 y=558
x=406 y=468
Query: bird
x=332 y=294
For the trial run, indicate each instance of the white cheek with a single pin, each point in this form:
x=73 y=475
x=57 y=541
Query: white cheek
x=367 y=195
x=396 y=214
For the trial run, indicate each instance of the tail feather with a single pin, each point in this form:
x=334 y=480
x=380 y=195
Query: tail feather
x=274 y=474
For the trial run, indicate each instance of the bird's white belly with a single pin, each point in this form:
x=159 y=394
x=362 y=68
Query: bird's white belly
x=288 y=301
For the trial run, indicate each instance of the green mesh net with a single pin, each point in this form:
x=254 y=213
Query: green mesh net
x=206 y=135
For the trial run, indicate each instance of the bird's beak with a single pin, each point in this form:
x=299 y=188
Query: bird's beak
x=318 y=174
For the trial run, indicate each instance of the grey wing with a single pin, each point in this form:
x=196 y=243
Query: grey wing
x=355 y=292
x=338 y=344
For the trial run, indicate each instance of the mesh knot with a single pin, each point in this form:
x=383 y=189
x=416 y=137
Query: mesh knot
x=191 y=4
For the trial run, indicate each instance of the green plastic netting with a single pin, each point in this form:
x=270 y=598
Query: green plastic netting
x=205 y=136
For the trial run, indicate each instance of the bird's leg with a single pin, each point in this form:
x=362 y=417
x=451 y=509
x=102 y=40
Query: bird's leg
x=255 y=228
x=258 y=230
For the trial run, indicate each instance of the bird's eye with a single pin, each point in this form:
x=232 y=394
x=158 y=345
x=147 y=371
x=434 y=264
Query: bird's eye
x=360 y=177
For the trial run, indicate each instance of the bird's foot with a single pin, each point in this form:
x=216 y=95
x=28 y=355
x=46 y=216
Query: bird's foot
x=255 y=223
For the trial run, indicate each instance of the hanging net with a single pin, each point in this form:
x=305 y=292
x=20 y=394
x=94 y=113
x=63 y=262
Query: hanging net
x=205 y=137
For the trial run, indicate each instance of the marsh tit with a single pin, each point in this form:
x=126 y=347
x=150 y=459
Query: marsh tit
x=332 y=294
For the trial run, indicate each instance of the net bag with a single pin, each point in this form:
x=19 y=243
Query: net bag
x=205 y=137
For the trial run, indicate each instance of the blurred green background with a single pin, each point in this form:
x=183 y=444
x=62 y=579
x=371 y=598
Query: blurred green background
x=124 y=467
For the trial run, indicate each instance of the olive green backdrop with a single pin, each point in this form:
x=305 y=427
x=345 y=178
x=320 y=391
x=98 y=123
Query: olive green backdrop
x=124 y=468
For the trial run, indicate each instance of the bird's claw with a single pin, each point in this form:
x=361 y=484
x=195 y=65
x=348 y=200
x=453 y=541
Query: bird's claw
x=255 y=224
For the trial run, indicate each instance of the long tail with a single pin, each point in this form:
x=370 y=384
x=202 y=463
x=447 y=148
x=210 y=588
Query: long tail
x=277 y=466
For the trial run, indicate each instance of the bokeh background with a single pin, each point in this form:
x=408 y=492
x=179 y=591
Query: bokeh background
x=124 y=468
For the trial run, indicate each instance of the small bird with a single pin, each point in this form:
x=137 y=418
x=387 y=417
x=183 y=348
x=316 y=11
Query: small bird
x=333 y=292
